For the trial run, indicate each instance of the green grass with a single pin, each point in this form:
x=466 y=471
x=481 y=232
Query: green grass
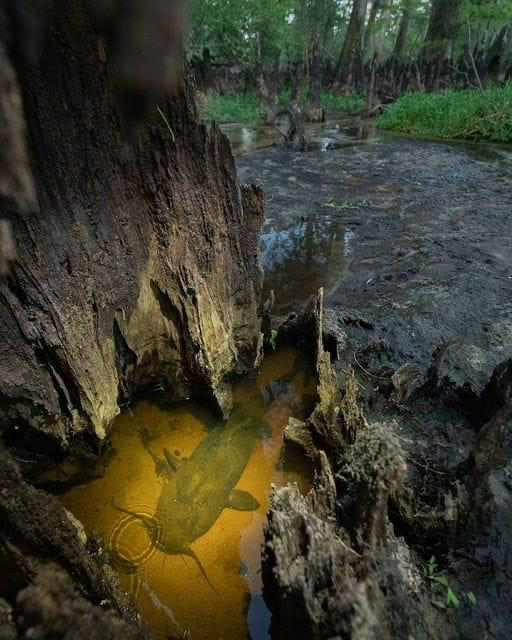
x=466 y=114
x=330 y=102
x=351 y=102
x=234 y=107
x=245 y=107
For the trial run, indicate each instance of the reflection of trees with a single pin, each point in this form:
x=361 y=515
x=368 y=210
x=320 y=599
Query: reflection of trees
x=299 y=256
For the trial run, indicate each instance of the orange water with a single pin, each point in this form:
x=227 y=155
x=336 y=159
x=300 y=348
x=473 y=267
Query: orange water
x=169 y=590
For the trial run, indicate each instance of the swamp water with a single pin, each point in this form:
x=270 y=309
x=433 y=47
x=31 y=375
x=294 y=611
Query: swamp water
x=185 y=453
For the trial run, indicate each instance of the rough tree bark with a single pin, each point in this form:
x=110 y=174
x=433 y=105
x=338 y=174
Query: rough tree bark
x=442 y=27
x=267 y=81
x=140 y=264
x=403 y=28
x=350 y=63
x=494 y=63
x=313 y=110
x=369 y=34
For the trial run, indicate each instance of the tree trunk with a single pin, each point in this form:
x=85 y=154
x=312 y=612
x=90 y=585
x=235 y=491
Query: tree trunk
x=295 y=82
x=268 y=87
x=313 y=110
x=369 y=35
x=403 y=29
x=350 y=63
x=140 y=264
x=494 y=63
x=442 y=28
x=204 y=73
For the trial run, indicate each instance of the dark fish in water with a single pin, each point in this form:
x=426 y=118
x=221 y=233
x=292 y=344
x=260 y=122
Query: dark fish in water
x=200 y=487
x=161 y=465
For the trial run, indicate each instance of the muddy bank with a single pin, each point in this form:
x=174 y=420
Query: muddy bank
x=409 y=234
x=419 y=305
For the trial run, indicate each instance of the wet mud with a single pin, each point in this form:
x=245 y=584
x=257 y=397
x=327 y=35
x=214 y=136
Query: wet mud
x=412 y=242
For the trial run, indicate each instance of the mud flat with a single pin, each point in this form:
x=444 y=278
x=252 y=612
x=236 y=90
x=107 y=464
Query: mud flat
x=412 y=242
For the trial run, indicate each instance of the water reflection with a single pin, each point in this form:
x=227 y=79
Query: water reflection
x=169 y=588
x=338 y=131
x=300 y=255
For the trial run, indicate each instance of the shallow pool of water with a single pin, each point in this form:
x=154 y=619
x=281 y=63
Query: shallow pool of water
x=169 y=589
x=339 y=130
x=302 y=254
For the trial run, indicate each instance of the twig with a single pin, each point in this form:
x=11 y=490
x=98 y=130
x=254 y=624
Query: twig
x=347 y=548
x=418 y=464
x=463 y=73
x=346 y=372
x=167 y=123
x=470 y=54
x=372 y=375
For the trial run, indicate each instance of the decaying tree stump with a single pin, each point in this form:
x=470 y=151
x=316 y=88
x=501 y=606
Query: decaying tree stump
x=131 y=271
x=295 y=136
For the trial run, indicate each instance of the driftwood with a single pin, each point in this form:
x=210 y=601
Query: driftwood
x=295 y=137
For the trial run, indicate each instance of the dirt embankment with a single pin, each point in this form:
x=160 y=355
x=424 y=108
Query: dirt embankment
x=421 y=310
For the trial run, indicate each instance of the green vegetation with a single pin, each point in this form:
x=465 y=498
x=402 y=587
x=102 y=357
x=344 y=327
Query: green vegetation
x=347 y=204
x=467 y=114
x=350 y=102
x=440 y=585
x=234 y=107
x=245 y=107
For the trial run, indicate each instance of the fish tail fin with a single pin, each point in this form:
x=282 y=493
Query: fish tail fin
x=189 y=552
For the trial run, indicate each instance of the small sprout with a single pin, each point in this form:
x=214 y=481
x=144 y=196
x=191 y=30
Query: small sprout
x=442 y=581
x=329 y=203
x=273 y=337
x=451 y=598
x=471 y=597
x=431 y=567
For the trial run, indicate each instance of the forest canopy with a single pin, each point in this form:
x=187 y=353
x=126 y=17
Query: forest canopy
x=248 y=32
x=349 y=54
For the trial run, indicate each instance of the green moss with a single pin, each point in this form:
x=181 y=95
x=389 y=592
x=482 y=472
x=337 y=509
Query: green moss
x=465 y=114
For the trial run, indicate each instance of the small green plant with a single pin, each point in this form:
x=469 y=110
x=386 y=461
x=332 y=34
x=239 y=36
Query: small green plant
x=329 y=202
x=439 y=583
x=463 y=114
x=273 y=338
x=346 y=204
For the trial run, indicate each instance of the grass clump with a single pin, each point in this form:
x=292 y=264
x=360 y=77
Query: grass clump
x=350 y=102
x=464 y=114
x=245 y=107
x=233 y=107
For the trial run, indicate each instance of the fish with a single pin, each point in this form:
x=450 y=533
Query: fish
x=161 y=465
x=200 y=487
